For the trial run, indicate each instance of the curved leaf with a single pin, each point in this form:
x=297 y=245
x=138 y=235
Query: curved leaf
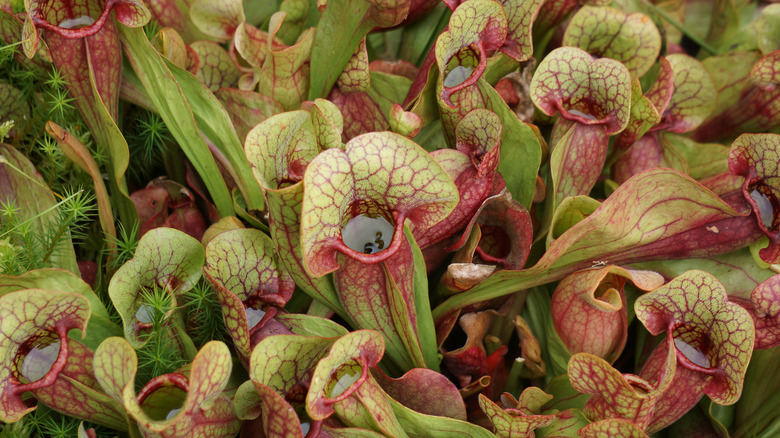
x=765 y=311
x=279 y=150
x=100 y=324
x=217 y=19
x=520 y=16
x=216 y=68
x=756 y=157
x=694 y=95
x=360 y=349
x=377 y=174
x=284 y=76
x=341 y=28
x=512 y=422
x=165 y=258
x=285 y=363
x=425 y=391
x=247 y=109
x=710 y=335
x=644 y=115
x=205 y=411
x=631 y=39
x=652 y=150
x=478 y=137
x=34 y=324
x=671 y=226
x=589 y=309
x=242 y=266
x=584 y=90
x=616 y=395
x=577 y=159
x=476 y=26
x=758 y=109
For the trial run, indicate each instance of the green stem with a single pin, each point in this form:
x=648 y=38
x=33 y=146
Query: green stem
x=668 y=18
x=48 y=210
x=513 y=380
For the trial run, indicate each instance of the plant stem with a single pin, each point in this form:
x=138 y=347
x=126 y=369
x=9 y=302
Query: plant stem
x=668 y=18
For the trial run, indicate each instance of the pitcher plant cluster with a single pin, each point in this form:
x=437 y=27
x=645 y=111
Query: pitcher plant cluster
x=389 y=218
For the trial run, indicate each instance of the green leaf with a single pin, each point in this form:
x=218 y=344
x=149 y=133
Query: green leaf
x=631 y=39
x=243 y=268
x=100 y=325
x=755 y=157
x=754 y=410
x=176 y=14
x=731 y=75
x=390 y=175
x=589 y=309
x=25 y=188
x=341 y=384
x=644 y=115
x=165 y=258
x=709 y=334
x=212 y=118
x=616 y=395
x=758 y=109
x=217 y=19
x=612 y=427
x=585 y=90
x=704 y=159
x=417 y=425
x=285 y=362
x=480 y=24
x=341 y=28
x=425 y=391
x=279 y=150
x=278 y=416
x=514 y=422
x=171 y=102
x=35 y=351
x=736 y=270
x=652 y=150
x=426 y=332
x=519 y=143
x=767 y=26
x=284 y=76
x=693 y=98
x=354 y=77
x=246 y=109
x=567 y=424
x=577 y=159
x=204 y=412
x=671 y=226
x=420 y=36
x=216 y=69
x=520 y=16
x=571 y=211
x=309 y=325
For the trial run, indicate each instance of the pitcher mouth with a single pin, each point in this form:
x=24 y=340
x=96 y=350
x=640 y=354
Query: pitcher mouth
x=584 y=111
x=369 y=233
x=77 y=26
x=764 y=203
x=693 y=348
x=40 y=359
